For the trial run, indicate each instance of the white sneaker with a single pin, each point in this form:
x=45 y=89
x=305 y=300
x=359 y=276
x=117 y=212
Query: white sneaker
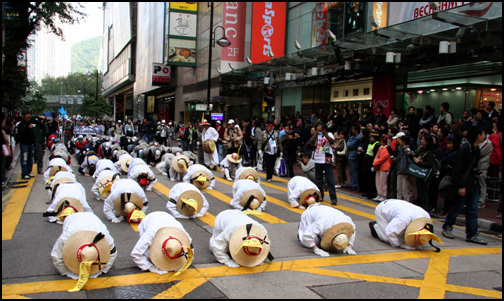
x=172 y=179
x=337 y=186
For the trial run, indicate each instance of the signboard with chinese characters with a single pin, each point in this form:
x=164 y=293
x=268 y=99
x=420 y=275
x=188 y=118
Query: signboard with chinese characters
x=233 y=20
x=268 y=30
x=180 y=41
x=188 y=6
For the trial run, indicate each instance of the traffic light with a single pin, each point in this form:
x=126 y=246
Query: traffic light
x=269 y=96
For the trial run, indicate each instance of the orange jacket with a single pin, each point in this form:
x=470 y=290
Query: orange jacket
x=382 y=159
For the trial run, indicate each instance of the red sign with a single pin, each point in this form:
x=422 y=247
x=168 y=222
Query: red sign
x=161 y=74
x=383 y=94
x=268 y=30
x=320 y=24
x=234 y=17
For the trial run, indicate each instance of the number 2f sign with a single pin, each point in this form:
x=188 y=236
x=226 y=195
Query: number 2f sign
x=161 y=74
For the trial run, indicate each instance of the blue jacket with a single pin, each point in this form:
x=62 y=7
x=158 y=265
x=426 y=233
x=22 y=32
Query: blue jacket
x=352 y=144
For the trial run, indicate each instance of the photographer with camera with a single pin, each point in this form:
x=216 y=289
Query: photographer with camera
x=465 y=174
x=323 y=157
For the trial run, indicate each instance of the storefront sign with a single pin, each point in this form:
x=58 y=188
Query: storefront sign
x=380 y=13
x=150 y=104
x=383 y=94
x=234 y=17
x=182 y=24
x=182 y=52
x=161 y=74
x=268 y=30
x=406 y=11
x=180 y=40
x=216 y=116
x=319 y=24
x=188 y=6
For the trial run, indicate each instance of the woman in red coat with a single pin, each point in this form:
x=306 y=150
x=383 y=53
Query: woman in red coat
x=381 y=165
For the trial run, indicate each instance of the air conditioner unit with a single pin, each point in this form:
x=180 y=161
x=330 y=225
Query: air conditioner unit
x=314 y=71
x=250 y=84
x=266 y=80
x=290 y=76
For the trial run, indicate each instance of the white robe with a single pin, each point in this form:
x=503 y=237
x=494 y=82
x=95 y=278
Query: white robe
x=137 y=170
x=296 y=186
x=55 y=162
x=117 y=164
x=86 y=164
x=164 y=166
x=147 y=230
x=118 y=188
x=213 y=158
x=175 y=192
x=60 y=174
x=135 y=161
x=80 y=222
x=231 y=167
x=239 y=172
x=69 y=189
x=226 y=223
x=102 y=164
x=392 y=219
x=102 y=175
x=195 y=168
x=240 y=188
x=317 y=220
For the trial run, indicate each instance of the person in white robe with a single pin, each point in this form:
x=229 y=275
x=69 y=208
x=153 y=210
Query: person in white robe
x=68 y=189
x=296 y=188
x=209 y=133
x=197 y=175
x=123 y=186
x=174 y=198
x=242 y=188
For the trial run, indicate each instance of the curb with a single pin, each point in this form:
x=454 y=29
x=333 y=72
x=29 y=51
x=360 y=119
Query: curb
x=483 y=224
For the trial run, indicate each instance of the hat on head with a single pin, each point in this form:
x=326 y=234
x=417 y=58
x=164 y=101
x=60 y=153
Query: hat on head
x=419 y=232
x=249 y=245
x=201 y=179
x=125 y=163
x=170 y=249
x=375 y=134
x=205 y=122
x=106 y=184
x=252 y=199
x=218 y=122
x=63 y=178
x=190 y=202
x=67 y=206
x=234 y=158
x=80 y=137
x=86 y=246
x=249 y=174
x=337 y=237
x=231 y=121
x=316 y=123
x=180 y=163
x=310 y=196
x=400 y=134
x=119 y=121
x=125 y=203
x=164 y=121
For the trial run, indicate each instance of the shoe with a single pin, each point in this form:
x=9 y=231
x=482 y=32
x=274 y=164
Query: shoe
x=447 y=232
x=370 y=197
x=334 y=203
x=27 y=177
x=493 y=200
x=372 y=228
x=31 y=176
x=337 y=186
x=269 y=180
x=481 y=205
x=475 y=239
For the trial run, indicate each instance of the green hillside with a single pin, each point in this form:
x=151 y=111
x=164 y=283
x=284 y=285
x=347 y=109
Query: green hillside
x=85 y=54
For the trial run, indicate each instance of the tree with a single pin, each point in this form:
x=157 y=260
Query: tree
x=95 y=108
x=20 y=19
x=38 y=103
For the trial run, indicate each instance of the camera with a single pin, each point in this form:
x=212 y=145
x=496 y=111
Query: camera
x=477 y=172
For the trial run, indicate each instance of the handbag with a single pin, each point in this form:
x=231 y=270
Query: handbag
x=422 y=173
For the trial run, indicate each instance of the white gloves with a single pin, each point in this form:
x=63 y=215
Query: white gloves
x=154 y=269
x=320 y=252
x=231 y=263
x=259 y=209
x=348 y=250
x=116 y=220
x=209 y=188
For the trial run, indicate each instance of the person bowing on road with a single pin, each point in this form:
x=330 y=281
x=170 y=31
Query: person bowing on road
x=126 y=199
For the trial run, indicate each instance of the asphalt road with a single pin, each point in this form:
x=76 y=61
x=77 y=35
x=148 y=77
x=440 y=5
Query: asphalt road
x=460 y=270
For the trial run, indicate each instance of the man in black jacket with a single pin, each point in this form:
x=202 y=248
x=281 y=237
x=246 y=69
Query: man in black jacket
x=465 y=175
x=27 y=140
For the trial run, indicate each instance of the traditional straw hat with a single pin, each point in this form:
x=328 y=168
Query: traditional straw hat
x=258 y=198
x=56 y=169
x=335 y=237
x=307 y=193
x=234 y=158
x=79 y=246
x=199 y=183
x=169 y=242
x=69 y=203
x=121 y=201
x=125 y=163
x=205 y=122
x=106 y=184
x=249 y=172
x=186 y=202
x=61 y=180
x=180 y=163
x=414 y=237
x=249 y=256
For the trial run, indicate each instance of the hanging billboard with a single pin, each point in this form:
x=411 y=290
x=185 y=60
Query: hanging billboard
x=268 y=30
x=233 y=21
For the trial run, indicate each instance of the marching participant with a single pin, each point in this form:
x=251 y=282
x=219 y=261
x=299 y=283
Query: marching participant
x=104 y=164
x=186 y=201
x=178 y=167
x=84 y=239
x=200 y=176
x=142 y=174
x=248 y=195
x=302 y=192
x=230 y=165
x=209 y=137
x=323 y=228
x=164 y=245
x=243 y=238
x=247 y=173
x=233 y=137
x=69 y=197
x=103 y=184
x=125 y=200
x=402 y=224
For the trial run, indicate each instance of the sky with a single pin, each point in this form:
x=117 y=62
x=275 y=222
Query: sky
x=90 y=27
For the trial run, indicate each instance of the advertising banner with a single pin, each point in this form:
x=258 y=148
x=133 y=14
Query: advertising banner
x=161 y=74
x=380 y=12
x=268 y=30
x=180 y=40
x=234 y=17
x=383 y=94
x=182 y=52
x=405 y=11
x=182 y=24
x=319 y=24
x=88 y=130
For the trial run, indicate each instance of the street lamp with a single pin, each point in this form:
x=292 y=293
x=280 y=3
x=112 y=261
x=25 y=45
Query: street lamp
x=223 y=42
